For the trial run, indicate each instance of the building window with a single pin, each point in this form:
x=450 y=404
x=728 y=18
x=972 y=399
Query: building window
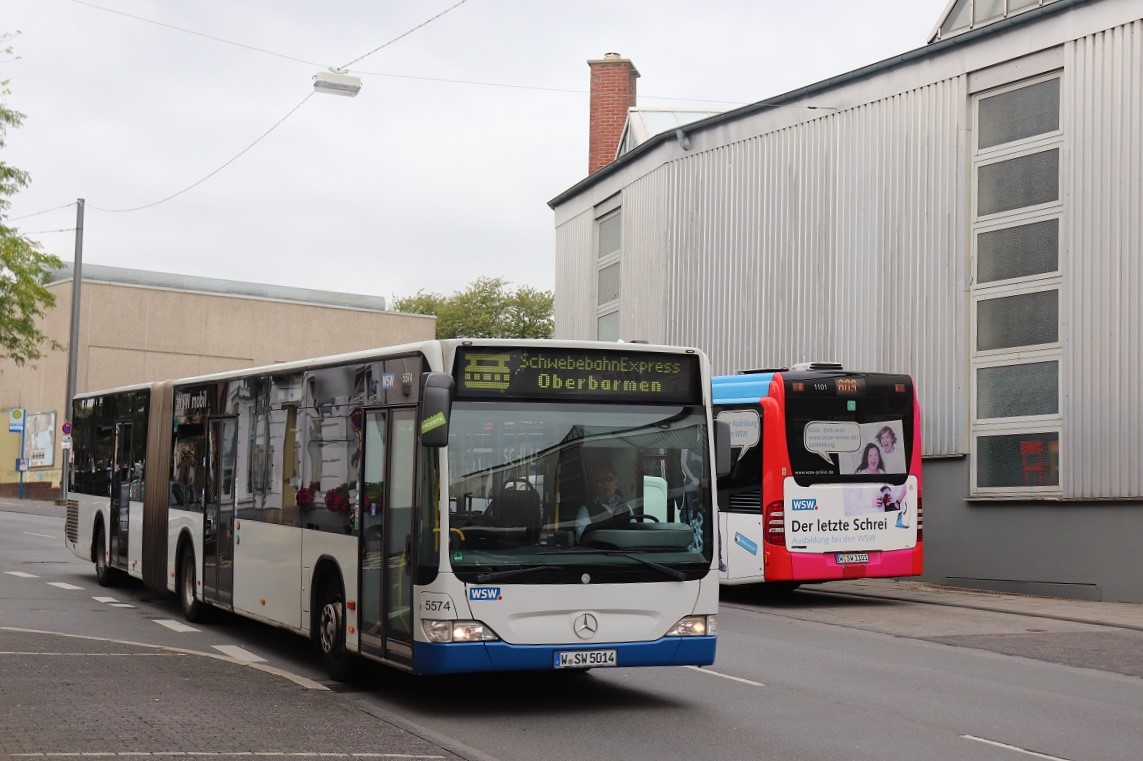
x=609 y=250
x=1017 y=215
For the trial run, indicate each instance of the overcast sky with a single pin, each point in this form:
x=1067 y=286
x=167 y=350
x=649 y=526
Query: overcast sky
x=437 y=173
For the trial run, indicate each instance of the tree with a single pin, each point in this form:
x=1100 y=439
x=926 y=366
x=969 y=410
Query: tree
x=24 y=269
x=485 y=309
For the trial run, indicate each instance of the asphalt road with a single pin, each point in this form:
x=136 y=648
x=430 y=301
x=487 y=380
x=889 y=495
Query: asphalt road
x=823 y=674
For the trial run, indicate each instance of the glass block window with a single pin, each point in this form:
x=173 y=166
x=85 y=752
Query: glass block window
x=1018 y=390
x=607 y=326
x=610 y=235
x=1018 y=460
x=1018 y=251
x=1017 y=321
x=1018 y=182
x=1019 y=114
x=608 y=285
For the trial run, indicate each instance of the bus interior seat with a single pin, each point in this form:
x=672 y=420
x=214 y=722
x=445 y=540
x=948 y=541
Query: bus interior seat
x=518 y=509
x=655 y=497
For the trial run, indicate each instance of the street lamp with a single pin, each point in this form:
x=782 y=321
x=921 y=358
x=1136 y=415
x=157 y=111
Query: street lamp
x=337 y=82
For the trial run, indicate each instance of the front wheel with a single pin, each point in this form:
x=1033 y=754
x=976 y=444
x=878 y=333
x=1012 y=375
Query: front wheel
x=331 y=633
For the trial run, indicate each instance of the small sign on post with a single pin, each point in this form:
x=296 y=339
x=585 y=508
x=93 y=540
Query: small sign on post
x=16 y=421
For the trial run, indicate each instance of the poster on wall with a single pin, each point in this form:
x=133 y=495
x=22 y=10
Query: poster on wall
x=40 y=439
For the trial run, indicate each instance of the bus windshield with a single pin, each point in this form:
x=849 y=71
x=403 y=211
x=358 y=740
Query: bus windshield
x=547 y=492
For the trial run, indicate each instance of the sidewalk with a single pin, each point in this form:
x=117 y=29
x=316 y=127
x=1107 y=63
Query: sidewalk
x=1123 y=615
x=31 y=506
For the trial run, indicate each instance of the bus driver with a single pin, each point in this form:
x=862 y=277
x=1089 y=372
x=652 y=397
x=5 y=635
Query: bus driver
x=607 y=505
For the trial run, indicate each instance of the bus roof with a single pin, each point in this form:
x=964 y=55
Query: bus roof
x=740 y=389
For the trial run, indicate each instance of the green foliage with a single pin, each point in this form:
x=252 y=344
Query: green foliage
x=24 y=269
x=486 y=309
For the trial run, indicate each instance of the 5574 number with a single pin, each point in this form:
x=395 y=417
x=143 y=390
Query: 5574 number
x=437 y=606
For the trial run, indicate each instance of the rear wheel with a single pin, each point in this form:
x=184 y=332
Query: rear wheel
x=104 y=574
x=193 y=609
x=331 y=632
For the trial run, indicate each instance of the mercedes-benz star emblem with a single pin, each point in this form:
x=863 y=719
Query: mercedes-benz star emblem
x=586 y=625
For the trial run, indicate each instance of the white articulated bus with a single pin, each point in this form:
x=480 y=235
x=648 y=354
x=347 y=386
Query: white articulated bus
x=427 y=506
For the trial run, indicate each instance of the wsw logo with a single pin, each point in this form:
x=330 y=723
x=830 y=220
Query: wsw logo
x=797 y=505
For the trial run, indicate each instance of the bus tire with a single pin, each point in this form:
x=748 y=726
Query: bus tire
x=104 y=574
x=331 y=632
x=194 y=610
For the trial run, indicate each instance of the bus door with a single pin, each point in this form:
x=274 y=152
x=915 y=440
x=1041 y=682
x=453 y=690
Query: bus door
x=120 y=496
x=389 y=477
x=219 y=508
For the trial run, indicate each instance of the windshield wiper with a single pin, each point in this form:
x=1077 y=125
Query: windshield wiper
x=666 y=570
x=482 y=578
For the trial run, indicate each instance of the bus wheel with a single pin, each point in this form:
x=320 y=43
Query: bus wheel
x=331 y=632
x=193 y=609
x=104 y=574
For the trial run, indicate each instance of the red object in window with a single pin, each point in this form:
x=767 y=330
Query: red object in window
x=1032 y=461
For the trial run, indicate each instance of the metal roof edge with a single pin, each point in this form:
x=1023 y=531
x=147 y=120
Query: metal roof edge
x=825 y=84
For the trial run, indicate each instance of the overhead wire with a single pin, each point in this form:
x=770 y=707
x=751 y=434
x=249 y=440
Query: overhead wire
x=45 y=211
x=216 y=171
x=406 y=34
x=445 y=80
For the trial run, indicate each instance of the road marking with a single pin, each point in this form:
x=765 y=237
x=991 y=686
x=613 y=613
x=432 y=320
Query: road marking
x=239 y=654
x=726 y=676
x=22 y=575
x=175 y=626
x=223 y=754
x=297 y=679
x=45 y=536
x=121 y=605
x=1013 y=747
x=104 y=599
x=63 y=585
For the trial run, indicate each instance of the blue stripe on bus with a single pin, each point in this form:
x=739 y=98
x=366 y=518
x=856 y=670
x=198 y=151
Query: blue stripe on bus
x=467 y=657
x=740 y=389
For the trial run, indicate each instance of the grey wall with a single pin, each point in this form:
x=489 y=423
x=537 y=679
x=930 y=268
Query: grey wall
x=1081 y=550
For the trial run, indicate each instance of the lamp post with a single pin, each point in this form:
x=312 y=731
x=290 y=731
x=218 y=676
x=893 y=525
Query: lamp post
x=73 y=340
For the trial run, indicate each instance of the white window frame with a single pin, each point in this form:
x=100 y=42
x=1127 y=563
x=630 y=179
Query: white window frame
x=1039 y=282
x=602 y=262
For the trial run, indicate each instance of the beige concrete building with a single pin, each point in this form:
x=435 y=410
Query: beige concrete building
x=138 y=326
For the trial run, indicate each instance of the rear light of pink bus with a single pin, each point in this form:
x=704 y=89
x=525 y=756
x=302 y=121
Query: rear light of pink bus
x=774 y=523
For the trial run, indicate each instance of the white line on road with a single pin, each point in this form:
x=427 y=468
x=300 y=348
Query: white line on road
x=121 y=605
x=726 y=676
x=45 y=536
x=1013 y=747
x=239 y=654
x=223 y=754
x=22 y=575
x=63 y=585
x=104 y=599
x=175 y=626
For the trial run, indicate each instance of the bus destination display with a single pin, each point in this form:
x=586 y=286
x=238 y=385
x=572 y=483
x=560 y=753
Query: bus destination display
x=582 y=374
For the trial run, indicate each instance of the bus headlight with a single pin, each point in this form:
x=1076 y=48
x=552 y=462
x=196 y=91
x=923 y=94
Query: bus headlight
x=458 y=631
x=695 y=626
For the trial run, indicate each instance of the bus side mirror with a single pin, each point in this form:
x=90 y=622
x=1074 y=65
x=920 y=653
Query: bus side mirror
x=722 y=461
x=436 y=404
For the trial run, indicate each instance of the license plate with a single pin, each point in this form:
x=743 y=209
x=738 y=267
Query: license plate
x=851 y=557
x=584 y=659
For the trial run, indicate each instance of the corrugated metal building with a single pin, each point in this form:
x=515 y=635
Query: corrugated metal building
x=971 y=213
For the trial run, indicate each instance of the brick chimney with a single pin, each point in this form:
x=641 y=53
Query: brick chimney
x=612 y=93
